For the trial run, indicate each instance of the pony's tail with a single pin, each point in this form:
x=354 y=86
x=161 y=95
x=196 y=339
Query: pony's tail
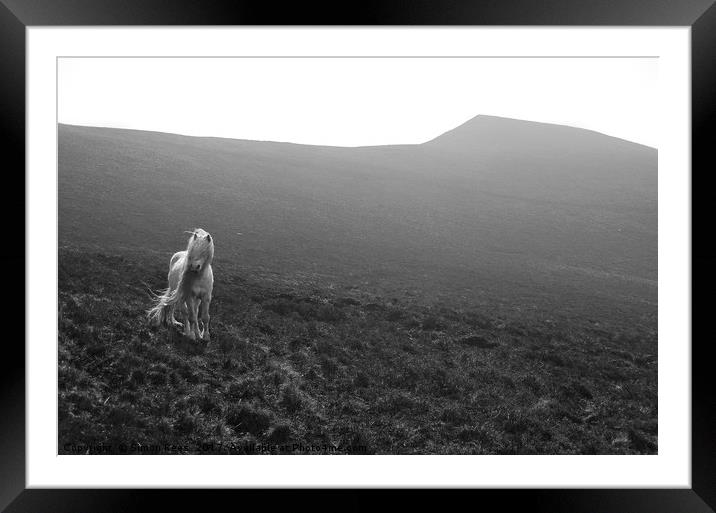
x=163 y=309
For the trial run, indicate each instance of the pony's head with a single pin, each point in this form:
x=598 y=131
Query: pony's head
x=199 y=250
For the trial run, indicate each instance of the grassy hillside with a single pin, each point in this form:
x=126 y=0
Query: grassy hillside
x=301 y=370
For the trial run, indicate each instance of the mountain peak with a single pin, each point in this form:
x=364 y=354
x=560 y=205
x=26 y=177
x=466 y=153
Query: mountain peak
x=484 y=130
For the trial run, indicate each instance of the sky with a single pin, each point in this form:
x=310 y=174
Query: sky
x=358 y=101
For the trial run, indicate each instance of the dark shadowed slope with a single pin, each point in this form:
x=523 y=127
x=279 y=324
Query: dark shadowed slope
x=496 y=210
x=295 y=371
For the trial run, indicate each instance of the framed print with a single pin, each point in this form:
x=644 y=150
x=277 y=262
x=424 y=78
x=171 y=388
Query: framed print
x=445 y=247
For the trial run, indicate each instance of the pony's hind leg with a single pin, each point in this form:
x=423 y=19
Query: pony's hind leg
x=171 y=320
x=204 y=314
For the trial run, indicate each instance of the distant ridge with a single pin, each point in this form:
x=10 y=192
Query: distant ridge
x=478 y=125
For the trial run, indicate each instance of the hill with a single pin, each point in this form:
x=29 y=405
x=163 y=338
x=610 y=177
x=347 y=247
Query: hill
x=496 y=211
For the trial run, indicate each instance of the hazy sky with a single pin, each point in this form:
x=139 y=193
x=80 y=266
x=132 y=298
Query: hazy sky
x=354 y=102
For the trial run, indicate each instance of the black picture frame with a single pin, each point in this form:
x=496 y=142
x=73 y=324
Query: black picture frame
x=700 y=15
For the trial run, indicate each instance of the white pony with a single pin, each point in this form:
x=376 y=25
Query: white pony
x=191 y=281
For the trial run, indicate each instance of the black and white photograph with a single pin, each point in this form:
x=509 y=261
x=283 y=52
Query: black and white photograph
x=357 y=255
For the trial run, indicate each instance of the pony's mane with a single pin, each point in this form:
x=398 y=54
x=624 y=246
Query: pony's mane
x=202 y=243
x=205 y=247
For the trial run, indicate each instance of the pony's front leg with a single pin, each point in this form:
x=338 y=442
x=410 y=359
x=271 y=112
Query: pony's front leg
x=193 y=304
x=204 y=314
x=190 y=319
